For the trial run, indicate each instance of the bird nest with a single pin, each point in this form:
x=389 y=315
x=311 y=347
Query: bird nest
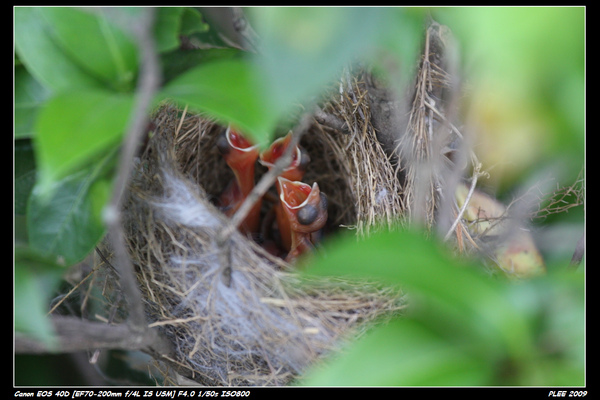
x=235 y=313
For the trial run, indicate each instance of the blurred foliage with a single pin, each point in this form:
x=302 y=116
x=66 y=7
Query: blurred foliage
x=463 y=327
x=75 y=79
x=525 y=69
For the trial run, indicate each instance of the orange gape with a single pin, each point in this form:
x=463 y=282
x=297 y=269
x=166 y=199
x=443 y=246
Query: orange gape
x=300 y=210
x=241 y=157
x=305 y=209
x=293 y=172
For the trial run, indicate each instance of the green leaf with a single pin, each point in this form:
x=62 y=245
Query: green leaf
x=444 y=288
x=65 y=222
x=35 y=281
x=42 y=55
x=167 y=27
x=406 y=23
x=401 y=353
x=230 y=90
x=75 y=126
x=192 y=22
x=527 y=72
x=96 y=45
x=461 y=327
x=532 y=44
x=29 y=98
x=305 y=48
x=176 y=62
x=556 y=302
x=171 y=22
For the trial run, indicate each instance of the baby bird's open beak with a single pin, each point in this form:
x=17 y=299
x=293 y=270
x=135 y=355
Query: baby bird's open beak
x=293 y=172
x=304 y=212
x=241 y=156
x=300 y=159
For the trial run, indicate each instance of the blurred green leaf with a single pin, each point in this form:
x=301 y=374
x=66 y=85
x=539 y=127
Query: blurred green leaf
x=305 y=48
x=462 y=327
x=452 y=298
x=401 y=39
x=444 y=287
x=43 y=56
x=65 y=222
x=401 y=353
x=95 y=44
x=171 y=22
x=75 y=126
x=556 y=303
x=231 y=90
x=532 y=48
x=176 y=62
x=302 y=51
x=29 y=98
x=35 y=280
x=525 y=67
x=167 y=28
x=192 y=22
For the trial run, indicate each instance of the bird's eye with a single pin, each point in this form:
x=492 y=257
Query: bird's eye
x=223 y=144
x=307 y=215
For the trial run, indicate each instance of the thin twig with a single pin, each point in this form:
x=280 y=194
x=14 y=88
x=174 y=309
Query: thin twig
x=465 y=205
x=181 y=121
x=147 y=85
x=454 y=129
x=66 y=296
x=267 y=180
x=563 y=199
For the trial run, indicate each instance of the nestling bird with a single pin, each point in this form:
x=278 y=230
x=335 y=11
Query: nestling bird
x=300 y=159
x=293 y=172
x=305 y=209
x=240 y=155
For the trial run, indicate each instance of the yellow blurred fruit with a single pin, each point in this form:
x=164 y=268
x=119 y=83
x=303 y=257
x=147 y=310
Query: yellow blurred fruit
x=513 y=248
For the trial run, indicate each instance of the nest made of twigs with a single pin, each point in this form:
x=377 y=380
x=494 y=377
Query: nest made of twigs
x=260 y=325
x=235 y=314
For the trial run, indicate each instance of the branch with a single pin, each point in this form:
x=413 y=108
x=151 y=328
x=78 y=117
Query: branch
x=330 y=120
x=242 y=27
x=73 y=334
x=148 y=83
